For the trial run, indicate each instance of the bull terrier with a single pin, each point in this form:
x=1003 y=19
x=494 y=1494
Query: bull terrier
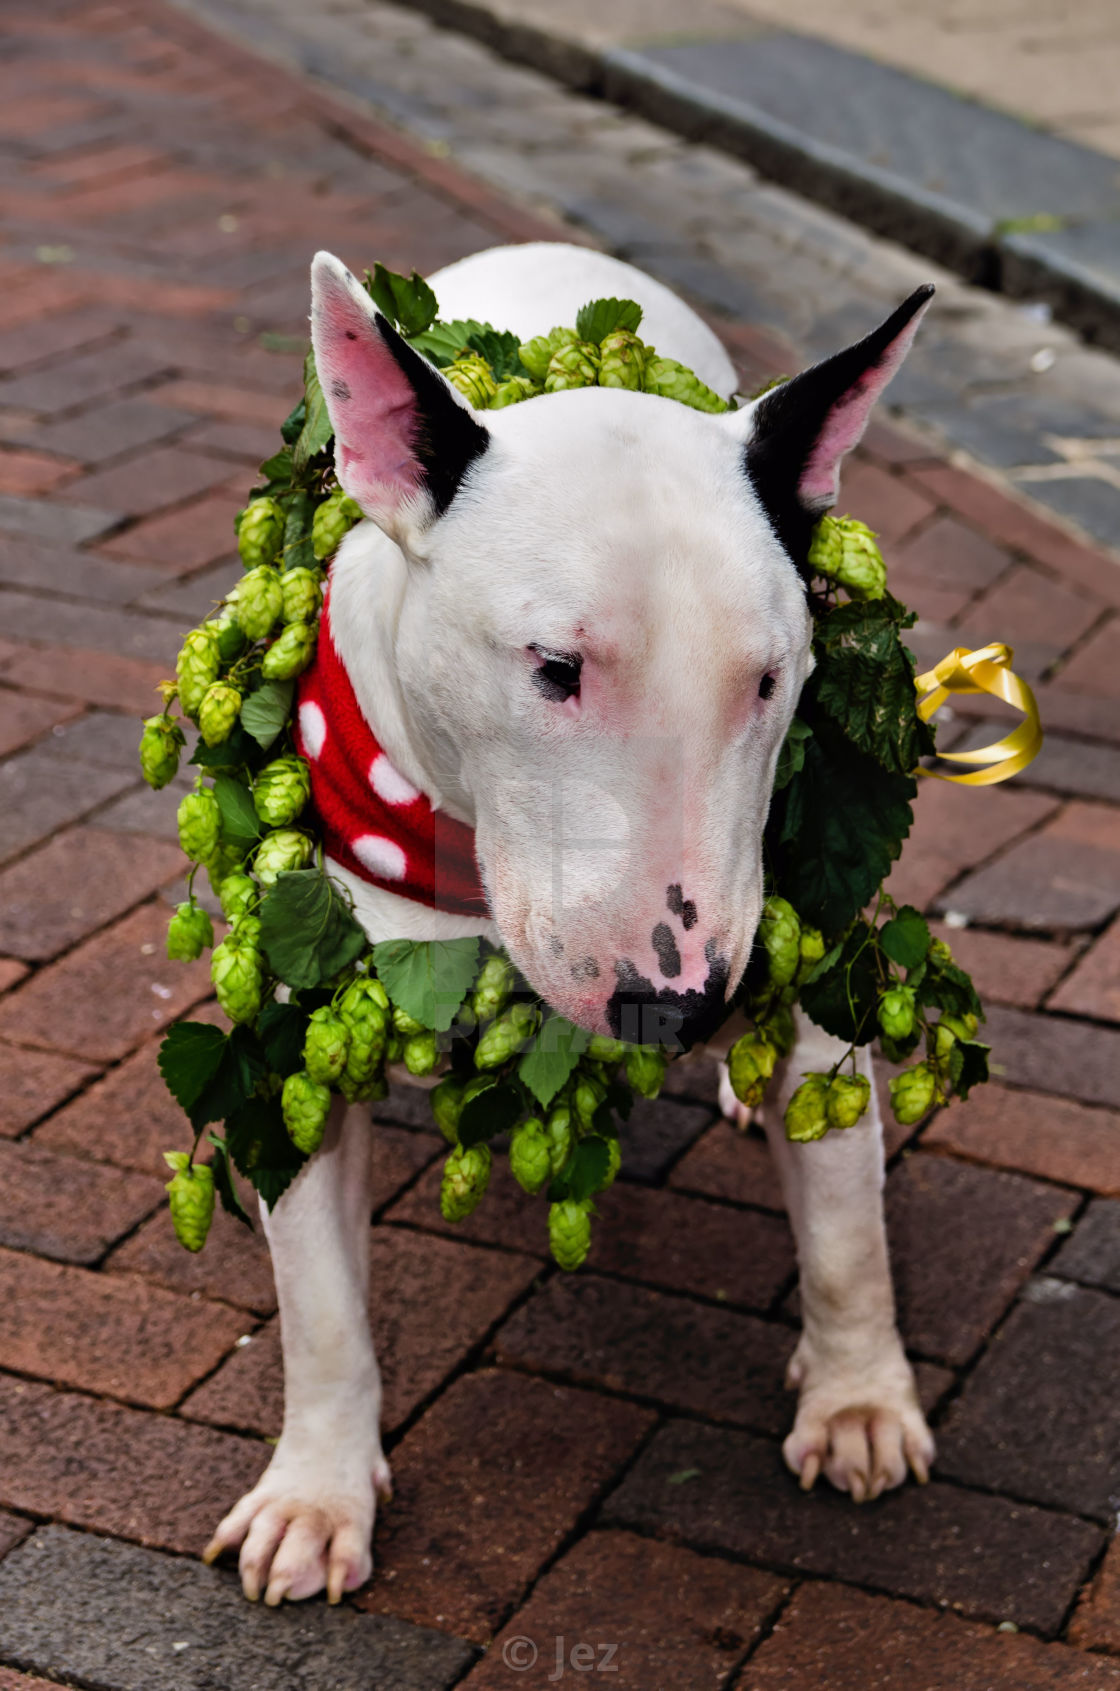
x=579 y=630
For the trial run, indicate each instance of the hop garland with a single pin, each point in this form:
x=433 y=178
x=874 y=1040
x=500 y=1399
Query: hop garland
x=840 y=811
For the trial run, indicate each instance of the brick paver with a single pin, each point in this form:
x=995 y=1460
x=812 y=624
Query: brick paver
x=592 y=1458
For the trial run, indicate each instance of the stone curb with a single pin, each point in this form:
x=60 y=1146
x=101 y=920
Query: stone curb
x=983 y=233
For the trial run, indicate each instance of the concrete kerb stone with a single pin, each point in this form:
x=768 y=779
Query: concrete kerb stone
x=733 y=107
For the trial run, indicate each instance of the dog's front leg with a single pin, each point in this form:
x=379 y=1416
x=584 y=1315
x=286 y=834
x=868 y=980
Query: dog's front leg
x=858 y=1419
x=308 y=1521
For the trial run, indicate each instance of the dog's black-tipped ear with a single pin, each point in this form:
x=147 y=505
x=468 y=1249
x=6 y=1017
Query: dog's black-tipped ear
x=801 y=431
x=403 y=436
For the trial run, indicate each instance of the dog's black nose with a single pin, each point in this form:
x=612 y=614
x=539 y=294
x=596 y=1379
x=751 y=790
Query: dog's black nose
x=641 y=1015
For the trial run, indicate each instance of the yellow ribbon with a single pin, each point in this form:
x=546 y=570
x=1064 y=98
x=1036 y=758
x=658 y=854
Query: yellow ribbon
x=985 y=671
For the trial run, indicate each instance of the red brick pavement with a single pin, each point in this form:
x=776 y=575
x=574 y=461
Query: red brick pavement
x=140 y=378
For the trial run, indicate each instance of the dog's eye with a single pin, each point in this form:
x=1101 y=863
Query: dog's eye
x=766 y=686
x=557 y=674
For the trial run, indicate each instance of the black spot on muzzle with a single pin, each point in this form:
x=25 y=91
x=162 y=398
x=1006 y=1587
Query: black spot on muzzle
x=638 y=1013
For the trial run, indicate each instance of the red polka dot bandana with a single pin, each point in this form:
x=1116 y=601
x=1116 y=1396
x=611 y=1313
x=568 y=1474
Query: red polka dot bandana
x=373 y=821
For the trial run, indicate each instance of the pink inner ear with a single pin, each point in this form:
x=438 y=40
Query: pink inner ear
x=845 y=423
x=371 y=403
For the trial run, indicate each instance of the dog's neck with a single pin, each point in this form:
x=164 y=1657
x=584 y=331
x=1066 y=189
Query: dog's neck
x=368 y=579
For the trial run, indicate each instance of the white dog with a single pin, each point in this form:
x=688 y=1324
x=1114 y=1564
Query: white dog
x=580 y=629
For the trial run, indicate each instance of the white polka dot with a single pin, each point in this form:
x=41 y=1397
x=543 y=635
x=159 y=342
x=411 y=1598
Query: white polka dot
x=389 y=784
x=312 y=727
x=380 y=856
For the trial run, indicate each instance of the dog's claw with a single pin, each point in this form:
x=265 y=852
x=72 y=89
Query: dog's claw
x=810 y=1471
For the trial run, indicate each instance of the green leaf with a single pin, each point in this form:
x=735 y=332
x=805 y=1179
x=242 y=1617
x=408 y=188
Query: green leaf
x=584 y=1172
x=265 y=712
x=968 y=1065
x=834 y=832
x=282 y=1029
x=240 y=823
x=947 y=987
x=189 y=1058
x=844 y=1000
x=491 y=1111
x=307 y=930
x=906 y=938
x=231 y=754
x=865 y=682
x=551 y=1058
x=261 y=1149
x=791 y=755
x=602 y=317
x=406 y=301
x=427 y=979
x=316 y=433
x=279 y=466
x=443 y=343
x=292 y=426
x=223 y=1181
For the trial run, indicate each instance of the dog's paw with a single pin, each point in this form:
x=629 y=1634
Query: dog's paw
x=739 y=1115
x=297 y=1538
x=863 y=1429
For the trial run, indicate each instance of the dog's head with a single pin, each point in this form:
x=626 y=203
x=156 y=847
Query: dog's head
x=601 y=638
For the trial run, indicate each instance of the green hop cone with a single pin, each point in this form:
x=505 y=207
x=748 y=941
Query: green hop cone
x=247 y=930
x=291 y=653
x=622 y=361
x=671 y=380
x=280 y=851
x=260 y=533
x=237 y=894
x=806 y=1116
x=260 y=600
x=189 y=932
x=406 y=1024
x=326 y=1046
x=446 y=1100
x=492 y=987
x=812 y=948
x=913 y=1094
x=645 y=1069
x=939 y=952
x=160 y=745
x=896 y=1013
x=513 y=391
x=569 y=1233
x=614 y=1163
x=848 y=1097
x=948 y=1030
x=196 y=668
x=221 y=863
x=281 y=790
x=780 y=933
x=228 y=633
x=302 y=595
x=235 y=969
x=363 y=1010
x=529 y=1161
x=750 y=1063
x=421 y=1053
x=845 y=551
x=558 y=1133
x=587 y=1097
x=536 y=355
x=602 y=1049
x=218 y=712
x=200 y=823
x=466 y=1175
x=334 y=518
x=505 y=1036
x=305 y=1105
x=780 y=1030
x=574 y=366
x=190 y=1193
x=474 y=379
